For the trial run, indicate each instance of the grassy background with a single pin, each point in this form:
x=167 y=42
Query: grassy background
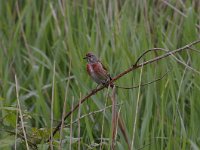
x=36 y=36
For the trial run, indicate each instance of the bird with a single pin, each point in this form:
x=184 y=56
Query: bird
x=96 y=70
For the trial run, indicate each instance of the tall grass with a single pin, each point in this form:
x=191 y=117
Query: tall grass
x=35 y=34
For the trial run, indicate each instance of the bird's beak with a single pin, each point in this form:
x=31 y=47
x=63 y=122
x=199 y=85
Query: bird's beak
x=84 y=57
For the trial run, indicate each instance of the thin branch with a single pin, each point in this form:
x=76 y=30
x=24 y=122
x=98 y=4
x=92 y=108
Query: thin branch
x=132 y=68
x=92 y=113
x=144 y=84
x=194 y=49
x=147 y=51
x=178 y=60
x=182 y=62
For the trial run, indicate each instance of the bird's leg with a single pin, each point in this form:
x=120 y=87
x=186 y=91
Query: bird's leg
x=107 y=82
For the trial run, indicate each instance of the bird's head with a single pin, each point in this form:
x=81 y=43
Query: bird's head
x=91 y=58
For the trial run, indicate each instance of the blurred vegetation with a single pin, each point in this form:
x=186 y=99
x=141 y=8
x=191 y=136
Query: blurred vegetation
x=36 y=35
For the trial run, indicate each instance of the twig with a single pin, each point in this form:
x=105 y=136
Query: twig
x=133 y=87
x=134 y=67
x=165 y=50
x=77 y=105
x=196 y=50
x=147 y=51
x=92 y=113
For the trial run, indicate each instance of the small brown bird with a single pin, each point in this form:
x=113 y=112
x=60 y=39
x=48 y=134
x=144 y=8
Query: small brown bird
x=96 y=70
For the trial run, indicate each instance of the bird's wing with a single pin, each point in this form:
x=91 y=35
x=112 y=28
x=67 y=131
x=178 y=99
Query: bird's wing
x=106 y=71
x=101 y=71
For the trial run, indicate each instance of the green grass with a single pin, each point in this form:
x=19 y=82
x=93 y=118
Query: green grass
x=36 y=34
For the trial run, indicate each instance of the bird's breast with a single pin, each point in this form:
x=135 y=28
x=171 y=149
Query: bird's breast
x=90 y=69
